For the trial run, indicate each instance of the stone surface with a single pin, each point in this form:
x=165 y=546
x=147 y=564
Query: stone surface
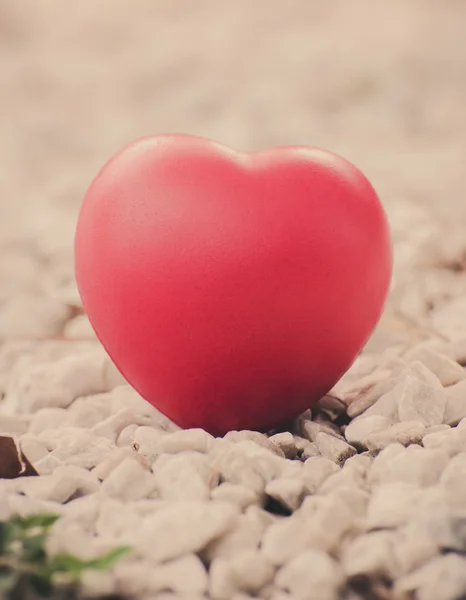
x=285 y=441
x=253 y=436
x=247 y=535
x=405 y=433
x=185 y=575
x=235 y=493
x=451 y=441
x=33 y=448
x=421 y=402
x=13 y=425
x=333 y=448
x=435 y=518
x=223 y=583
x=416 y=465
x=129 y=481
x=185 y=527
x=285 y=539
x=368 y=397
x=329 y=518
x=193 y=439
x=252 y=572
x=315 y=472
x=352 y=475
x=453 y=481
x=179 y=478
x=413 y=546
x=371 y=554
x=60 y=486
x=114 y=459
x=360 y=429
x=447 y=370
x=311 y=450
x=287 y=491
x=435 y=429
x=387 y=404
x=443 y=577
x=455 y=408
x=313 y=575
x=392 y=505
x=246 y=573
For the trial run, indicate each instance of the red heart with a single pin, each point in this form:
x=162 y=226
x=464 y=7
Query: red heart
x=232 y=290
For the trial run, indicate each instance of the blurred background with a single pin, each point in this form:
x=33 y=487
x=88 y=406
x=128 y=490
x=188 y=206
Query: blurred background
x=382 y=83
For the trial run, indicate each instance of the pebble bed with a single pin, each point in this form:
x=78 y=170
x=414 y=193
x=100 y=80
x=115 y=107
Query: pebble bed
x=363 y=497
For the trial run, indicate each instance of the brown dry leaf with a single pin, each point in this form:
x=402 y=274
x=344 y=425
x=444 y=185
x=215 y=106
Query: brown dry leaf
x=13 y=463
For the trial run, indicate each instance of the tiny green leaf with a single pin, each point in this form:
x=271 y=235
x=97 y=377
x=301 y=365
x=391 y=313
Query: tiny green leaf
x=64 y=562
x=46 y=521
x=7 y=535
x=26 y=567
x=109 y=559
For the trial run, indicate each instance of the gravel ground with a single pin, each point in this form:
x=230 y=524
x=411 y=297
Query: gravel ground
x=364 y=496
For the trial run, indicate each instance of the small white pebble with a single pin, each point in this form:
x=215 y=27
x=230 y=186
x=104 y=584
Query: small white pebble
x=253 y=436
x=129 y=481
x=311 y=450
x=311 y=575
x=33 y=449
x=49 y=418
x=286 y=442
x=117 y=521
x=455 y=409
x=60 y=486
x=126 y=437
x=80 y=448
x=246 y=535
x=251 y=571
x=414 y=464
x=392 y=505
x=197 y=440
x=112 y=426
x=447 y=370
x=421 y=402
x=183 y=575
x=365 y=398
x=333 y=448
x=13 y=425
x=405 y=433
x=359 y=430
x=185 y=527
x=287 y=491
x=370 y=554
x=58 y=384
x=115 y=458
x=178 y=478
x=222 y=581
x=442 y=577
x=316 y=470
x=235 y=493
x=452 y=441
x=47 y=465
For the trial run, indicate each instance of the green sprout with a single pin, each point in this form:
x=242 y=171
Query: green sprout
x=27 y=571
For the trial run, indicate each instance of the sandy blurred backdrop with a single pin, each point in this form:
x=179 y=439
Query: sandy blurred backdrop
x=383 y=83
